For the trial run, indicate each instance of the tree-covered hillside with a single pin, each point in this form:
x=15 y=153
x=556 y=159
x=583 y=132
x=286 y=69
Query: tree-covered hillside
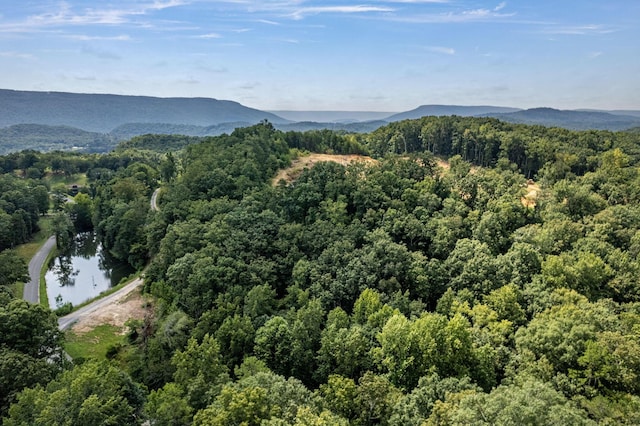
x=103 y=112
x=478 y=272
x=43 y=138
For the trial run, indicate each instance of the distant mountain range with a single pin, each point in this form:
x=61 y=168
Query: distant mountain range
x=441 y=110
x=333 y=116
x=575 y=120
x=97 y=122
x=102 y=113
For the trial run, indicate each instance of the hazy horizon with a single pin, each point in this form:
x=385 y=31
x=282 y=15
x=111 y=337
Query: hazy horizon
x=297 y=55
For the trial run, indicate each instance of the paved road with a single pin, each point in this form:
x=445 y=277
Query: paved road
x=154 y=200
x=68 y=320
x=32 y=288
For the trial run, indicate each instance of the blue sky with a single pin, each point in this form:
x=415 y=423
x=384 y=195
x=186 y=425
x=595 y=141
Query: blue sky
x=376 y=55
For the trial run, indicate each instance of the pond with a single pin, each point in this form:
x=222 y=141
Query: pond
x=82 y=272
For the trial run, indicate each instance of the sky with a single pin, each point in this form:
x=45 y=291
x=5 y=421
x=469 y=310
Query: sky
x=360 y=55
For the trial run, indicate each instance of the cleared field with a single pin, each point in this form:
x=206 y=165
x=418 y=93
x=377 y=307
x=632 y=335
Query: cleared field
x=299 y=164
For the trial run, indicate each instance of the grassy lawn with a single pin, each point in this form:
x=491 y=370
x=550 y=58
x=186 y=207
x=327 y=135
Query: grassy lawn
x=93 y=344
x=28 y=250
x=44 y=297
x=79 y=179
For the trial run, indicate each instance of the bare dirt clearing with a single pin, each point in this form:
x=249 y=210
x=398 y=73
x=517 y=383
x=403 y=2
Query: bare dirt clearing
x=533 y=189
x=129 y=306
x=299 y=164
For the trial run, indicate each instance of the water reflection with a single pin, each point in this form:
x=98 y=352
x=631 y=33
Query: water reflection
x=82 y=272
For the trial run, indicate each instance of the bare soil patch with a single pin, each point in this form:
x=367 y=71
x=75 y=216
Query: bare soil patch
x=299 y=164
x=533 y=189
x=130 y=306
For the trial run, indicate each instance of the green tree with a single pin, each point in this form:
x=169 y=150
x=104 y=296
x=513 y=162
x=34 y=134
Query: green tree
x=530 y=403
x=415 y=408
x=168 y=407
x=200 y=371
x=30 y=329
x=12 y=268
x=81 y=212
x=256 y=398
x=89 y=394
x=19 y=371
x=273 y=345
x=235 y=336
x=63 y=230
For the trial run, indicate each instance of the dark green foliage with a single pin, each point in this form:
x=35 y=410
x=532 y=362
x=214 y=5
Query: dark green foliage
x=92 y=393
x=12 y=268
x=409 y=290
x=30 y=348
x=47 y=138
x=20 y=207
x=159 y=142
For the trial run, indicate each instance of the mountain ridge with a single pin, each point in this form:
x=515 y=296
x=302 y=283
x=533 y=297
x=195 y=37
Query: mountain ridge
x=460 y=110
x=104 y=112
x=569 y=119
x=97 y=122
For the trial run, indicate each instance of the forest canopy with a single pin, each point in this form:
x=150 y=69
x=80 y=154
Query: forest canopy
x=477 y=272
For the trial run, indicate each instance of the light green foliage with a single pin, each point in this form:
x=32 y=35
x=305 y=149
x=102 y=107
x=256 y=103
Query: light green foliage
x=530 y=403
x=258 y=397
x=92 y=393
x=338 y=395
x=200 y=371
x=63 y=230
x=168 y=407
x=561 y=333
x=432 y=343
x=344 y=348
x=505 y=301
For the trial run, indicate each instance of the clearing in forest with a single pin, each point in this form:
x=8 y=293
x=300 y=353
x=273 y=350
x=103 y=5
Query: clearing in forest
x=533 y=189
x=130 y=306
x=299 y=164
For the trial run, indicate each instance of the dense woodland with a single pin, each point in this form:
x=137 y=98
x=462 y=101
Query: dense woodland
x=478 y=272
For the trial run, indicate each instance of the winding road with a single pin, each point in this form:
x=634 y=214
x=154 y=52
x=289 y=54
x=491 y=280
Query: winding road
x=68 y=320
x=32 y=288
x=154 y=200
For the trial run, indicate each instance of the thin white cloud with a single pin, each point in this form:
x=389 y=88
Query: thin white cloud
x=268 y=22
x=159 y=5
x=66 y=15
x=209 y=36
x=472 y=15
x=417 y=1
x=83 y=37
x=440 y=49
x=16 y=55
x=301 y=12
x=500 y=6
x=579 y=30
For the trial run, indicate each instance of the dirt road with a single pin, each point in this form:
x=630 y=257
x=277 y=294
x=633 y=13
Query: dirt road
x=92 y=309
